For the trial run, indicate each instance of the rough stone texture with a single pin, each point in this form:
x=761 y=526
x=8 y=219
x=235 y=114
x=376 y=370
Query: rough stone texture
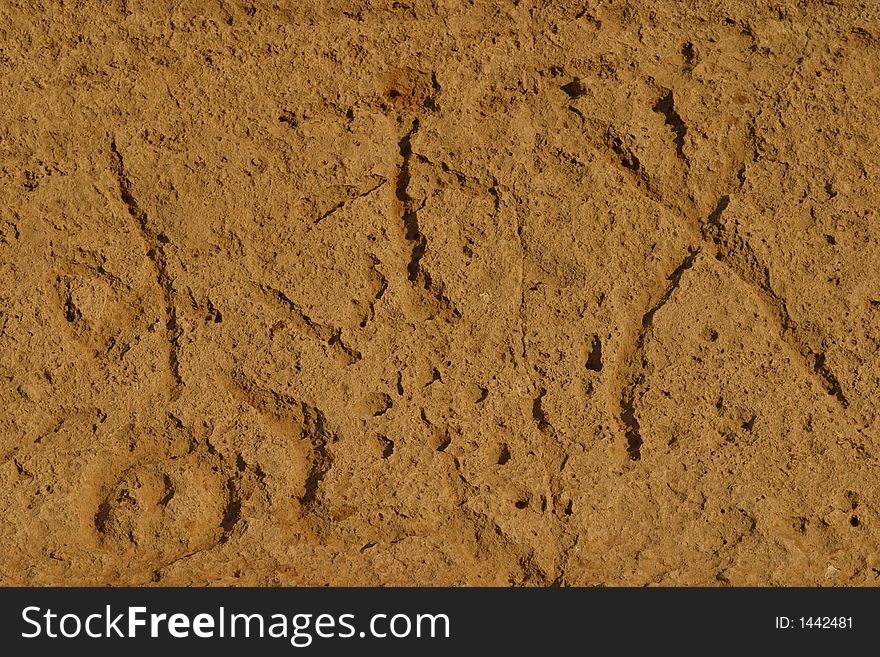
x=435 y=292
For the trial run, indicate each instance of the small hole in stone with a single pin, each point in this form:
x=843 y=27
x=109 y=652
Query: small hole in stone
x=574 y=89
x=521 y=504
x=71 y=312
x=504 y=455
x=854 y=521
x=687 y=52
x=387 y=446
x=594 y=360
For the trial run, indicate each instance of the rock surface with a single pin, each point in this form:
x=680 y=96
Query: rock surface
x=429 y=292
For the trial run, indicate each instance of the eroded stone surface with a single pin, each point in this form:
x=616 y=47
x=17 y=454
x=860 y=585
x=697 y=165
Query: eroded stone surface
x=420 y=293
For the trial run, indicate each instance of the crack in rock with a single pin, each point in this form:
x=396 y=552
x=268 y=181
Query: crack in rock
x=410 y=209
x=631 y=428
x=284 y=415
x=320 y=460
x=345 y=202
x=740 y=258
x=666 y=106
x=410 y=213
x=155 y=243
x=329 y=335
